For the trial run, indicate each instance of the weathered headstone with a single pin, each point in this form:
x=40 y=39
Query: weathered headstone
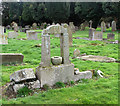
x=15 y=26
x=3 y=38
x=69 y=33
x=76 y=53
x=110 y=36
x=12 y=34
x=32 y=35
x=34 y=26
x=90 y=23
x=82 y=27
x=103 y=26
x=97 y=35
x=91 y=30
x=11 y=58
x=72 y=27
x=113 y=26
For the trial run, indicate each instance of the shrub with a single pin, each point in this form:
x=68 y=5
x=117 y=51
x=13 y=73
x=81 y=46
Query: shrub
x=22 y=92
x=59 y=84
x=46 y=87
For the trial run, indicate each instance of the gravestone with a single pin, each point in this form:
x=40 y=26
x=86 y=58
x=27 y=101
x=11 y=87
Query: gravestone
x=91 y=30
x=32 y=35
x=72 y=27
x=82 y=27
x=3 y=38
x=76 y=53
x=15 y=26
x=97 y=35
x=69 y=33
x=110 y=36
x=34 y=26
x=103 y=26
x=113 y=26
x=12 y=34
x=90 y=24
x=8 y=58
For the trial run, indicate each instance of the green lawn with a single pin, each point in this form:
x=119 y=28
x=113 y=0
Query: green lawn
x=101 y=91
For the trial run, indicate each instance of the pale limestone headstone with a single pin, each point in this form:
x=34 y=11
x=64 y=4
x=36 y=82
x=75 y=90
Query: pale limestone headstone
x=82 y=27
x=3 y=38
x=12 y=34
x=91 y=30
x=32 y=35
x=103 y=26
x=76 y=53
x=34 y=26
x=90 y=23
x=113 y=26
x=111 y=36
x=15 y=26
x=69 y=33
x=72 y=27
x=97 y=35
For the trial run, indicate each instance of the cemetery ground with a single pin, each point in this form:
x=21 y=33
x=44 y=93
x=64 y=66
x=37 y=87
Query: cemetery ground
x=91 y=91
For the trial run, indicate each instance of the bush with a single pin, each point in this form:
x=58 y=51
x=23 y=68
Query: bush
x=59 y=84
x=46 y=87
x=25 y=91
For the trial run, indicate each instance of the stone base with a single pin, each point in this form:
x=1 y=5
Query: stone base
x=53 y=74
x=11 y=58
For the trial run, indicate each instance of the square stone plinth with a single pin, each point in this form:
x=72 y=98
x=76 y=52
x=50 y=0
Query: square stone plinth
x=53 y=74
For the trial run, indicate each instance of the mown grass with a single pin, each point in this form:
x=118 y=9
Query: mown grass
x=101 y=91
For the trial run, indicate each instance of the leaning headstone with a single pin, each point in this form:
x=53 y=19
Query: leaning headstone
x=113 y=26
x=103 y=26
x=97 y=35
x=11 y=58
x=110 y=36
x=32 y=35
x=12 y=34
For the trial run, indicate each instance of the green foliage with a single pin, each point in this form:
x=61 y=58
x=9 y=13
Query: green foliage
x=59 y=84
x=22 y=92
x=46 y=87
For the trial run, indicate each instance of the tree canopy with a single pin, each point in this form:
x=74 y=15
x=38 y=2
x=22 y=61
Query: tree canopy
x=26 y=13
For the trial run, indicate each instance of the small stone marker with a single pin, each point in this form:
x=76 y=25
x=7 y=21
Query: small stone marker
x=97 y=35
x=110 y=36
x=11 y=58
x=12 y=34
x=113 y=26
x=103 y=26
x=76 y=53
x=32 y=35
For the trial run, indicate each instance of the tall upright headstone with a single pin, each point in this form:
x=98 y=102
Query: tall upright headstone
x=69 y=33
x=113 y=26
x=103 y=26
x=3 y=38
x=72 y=27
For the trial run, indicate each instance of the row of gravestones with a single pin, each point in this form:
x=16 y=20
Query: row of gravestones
x=103 y=25
x=98 y=35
